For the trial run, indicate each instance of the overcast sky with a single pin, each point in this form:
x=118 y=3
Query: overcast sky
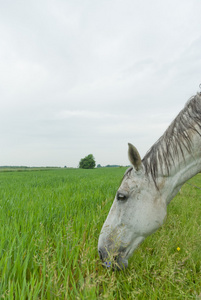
x=89 y=76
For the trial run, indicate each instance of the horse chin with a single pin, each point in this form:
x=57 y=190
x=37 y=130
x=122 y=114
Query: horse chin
x=121 y=264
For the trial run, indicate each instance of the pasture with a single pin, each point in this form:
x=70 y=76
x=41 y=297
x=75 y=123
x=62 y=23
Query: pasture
x=50 y=222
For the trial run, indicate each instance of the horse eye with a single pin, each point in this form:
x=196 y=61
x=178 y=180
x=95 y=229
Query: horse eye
x=121 y=197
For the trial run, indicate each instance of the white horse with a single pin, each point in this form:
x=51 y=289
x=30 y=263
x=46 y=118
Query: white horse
x=147 y=187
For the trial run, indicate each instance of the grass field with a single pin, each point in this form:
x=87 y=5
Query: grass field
x=50 y=223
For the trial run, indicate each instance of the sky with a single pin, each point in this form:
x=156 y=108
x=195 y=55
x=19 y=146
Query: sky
x=81 y=77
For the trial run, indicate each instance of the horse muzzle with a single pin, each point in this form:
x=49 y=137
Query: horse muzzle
x=114 y=261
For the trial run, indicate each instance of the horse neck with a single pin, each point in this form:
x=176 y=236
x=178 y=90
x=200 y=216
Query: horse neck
x=185 y=167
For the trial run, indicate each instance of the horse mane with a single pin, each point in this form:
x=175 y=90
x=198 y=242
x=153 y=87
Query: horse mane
x=176 y=139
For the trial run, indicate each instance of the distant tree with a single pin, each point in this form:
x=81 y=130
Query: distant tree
x=99 y=166
x=88 y=162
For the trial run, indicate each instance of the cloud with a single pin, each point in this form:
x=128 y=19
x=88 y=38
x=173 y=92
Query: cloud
x=88 y=77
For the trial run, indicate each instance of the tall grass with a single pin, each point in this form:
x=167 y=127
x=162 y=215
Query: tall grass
x=50 y=223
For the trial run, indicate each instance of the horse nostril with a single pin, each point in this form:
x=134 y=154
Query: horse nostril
x=100 y=254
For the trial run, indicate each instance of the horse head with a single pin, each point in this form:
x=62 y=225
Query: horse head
x=137 y=211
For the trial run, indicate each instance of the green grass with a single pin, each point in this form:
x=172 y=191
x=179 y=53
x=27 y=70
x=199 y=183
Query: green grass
x=50 y=223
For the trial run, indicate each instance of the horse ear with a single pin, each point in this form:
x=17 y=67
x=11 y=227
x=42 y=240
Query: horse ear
x=134 y=157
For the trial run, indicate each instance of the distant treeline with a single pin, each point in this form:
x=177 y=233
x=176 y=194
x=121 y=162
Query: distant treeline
x=25 y=168
x=110 y=166
x=13 y=167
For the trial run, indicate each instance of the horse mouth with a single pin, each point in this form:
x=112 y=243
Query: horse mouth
x=115 y=262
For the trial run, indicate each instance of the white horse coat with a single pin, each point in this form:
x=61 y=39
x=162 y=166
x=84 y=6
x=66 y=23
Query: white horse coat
x=140 y=205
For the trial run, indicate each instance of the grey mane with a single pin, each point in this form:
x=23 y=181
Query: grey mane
x=176 y=138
